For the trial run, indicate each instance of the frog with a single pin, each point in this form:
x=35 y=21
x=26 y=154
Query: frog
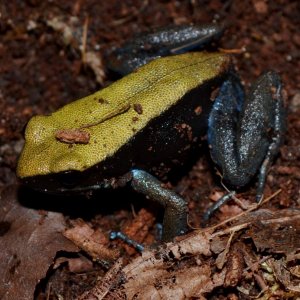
x=150 y=122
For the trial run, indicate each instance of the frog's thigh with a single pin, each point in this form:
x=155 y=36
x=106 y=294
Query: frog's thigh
x=175 y=217
x=272 y=80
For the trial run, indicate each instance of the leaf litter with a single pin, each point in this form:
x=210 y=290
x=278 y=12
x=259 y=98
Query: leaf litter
x=29 y=242
x=196 y=264
x=193 y=266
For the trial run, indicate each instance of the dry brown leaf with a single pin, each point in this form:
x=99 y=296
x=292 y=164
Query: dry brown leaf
x=73 y=136
x=283 y=274
x=103 y=287
x=149 y=276
x=191 y=245
x=218 y=244
x=91 y=241
x=295 y=271
x=29 y=242
x=179 y=284
x=276 y=232
x=75 y=265
x=180 y=270
x=234 y=265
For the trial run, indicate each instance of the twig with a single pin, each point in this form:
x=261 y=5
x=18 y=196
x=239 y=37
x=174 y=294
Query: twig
x=231 y=229
x=254 y=207
x=226 y=250
x=233 y=51
x=84 y=39
x=257 y=263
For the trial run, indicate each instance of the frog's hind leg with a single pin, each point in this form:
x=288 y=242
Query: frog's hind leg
x=223 y=131
x=244 y=136
x=279 y=127
x=165 y=41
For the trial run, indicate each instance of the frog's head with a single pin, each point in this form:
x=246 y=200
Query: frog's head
x=58 y=160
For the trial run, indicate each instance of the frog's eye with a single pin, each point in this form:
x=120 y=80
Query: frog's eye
x=69 y=179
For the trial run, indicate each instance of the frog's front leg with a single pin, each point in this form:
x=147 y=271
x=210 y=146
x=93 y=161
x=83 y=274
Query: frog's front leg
x=245 y=135
x=175 y=216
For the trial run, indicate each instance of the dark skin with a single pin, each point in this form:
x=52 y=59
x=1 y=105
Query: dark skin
x=245 y=133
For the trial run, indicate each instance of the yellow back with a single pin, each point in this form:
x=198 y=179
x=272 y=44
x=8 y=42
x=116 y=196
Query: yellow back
x=110 y=115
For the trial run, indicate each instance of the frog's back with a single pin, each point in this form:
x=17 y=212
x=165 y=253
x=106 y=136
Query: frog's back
x=117 y=119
